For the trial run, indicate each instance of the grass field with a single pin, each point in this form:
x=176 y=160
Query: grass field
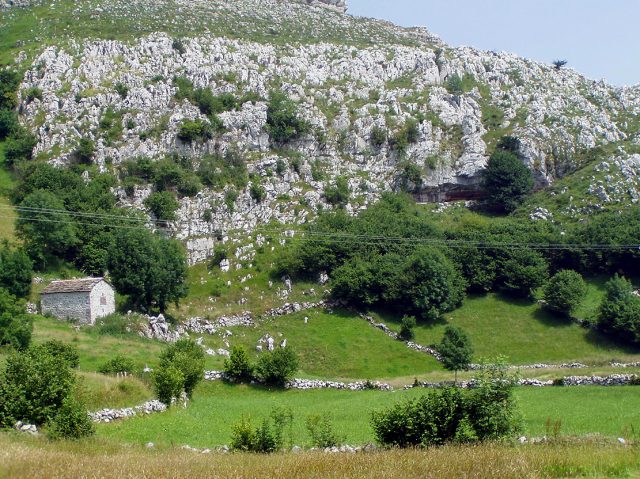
x=216 y=407
x=27 y=457
x=526 y=334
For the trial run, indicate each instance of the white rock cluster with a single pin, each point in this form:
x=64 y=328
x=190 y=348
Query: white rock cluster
x=320 y=384
x=26 y=428
x=611 y=380
x=110 y=415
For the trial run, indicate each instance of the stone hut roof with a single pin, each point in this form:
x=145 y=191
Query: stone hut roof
x=72 y=286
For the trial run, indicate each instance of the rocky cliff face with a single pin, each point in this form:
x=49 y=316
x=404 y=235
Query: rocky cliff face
x=338 y=5
x=349 y=94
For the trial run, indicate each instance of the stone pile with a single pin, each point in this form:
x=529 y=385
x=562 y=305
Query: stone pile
x=26 y=428
x=157 y=327
x=110 y=415
x=291 y=308
x=611 y=380
x=320 y=384
x=214 y=375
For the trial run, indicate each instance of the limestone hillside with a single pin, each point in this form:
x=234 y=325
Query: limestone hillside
x=383 y=103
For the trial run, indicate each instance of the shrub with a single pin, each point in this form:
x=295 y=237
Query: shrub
x=558 y=64
x=266 y=438
x=283 y=123
x=277 y=367
x=178 y=45
x=85 y=151
x=16 y=326
x=188 y=358
x=510 y=144
x=455 y=349
x=114 y=325
x=322 y=431
x=507 y=181
x=122 y=90
x=410 y=179
x=564 y=292
x=71 y=421
x=8 y=123
x=58 y=349
x=238 y=367
x=192 y=130
x=257 y=192
x=9 y=83
x=33 y=387
x=454 y=84
x=163 y=205
x=378 y=136
x=33 y=93
x=16 y=270
x=619 y=312
x=19 y=147
x=338 y=195
x=118 y=365
x=168 y=383
x=406 y=328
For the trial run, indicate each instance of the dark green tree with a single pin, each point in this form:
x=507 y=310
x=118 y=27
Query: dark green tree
x=15 y=325
x=277 y=367
x=564 y=292
x=507 y=181
x=406 y=328
x=238 y=367
x=619 y=312
x=456 y=350
x=283 y=122
x=188 y=358
x=163 y=205
x=522 y=271
x=16 y=270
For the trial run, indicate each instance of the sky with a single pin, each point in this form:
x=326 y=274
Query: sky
x=599 y=38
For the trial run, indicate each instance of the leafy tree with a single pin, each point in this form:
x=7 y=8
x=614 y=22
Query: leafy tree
x=59 y=349
x=192 y=130
x=34 y=386
x=188 y=357
x=283 y=123
x=564 y=292
x=168 y=383
x=163 y=205
x=8 y=123
x=277 y=367
x=16 y=270
x=150 y=269
x=15 y=325
x=522 y=271
x=9 y=82
x=456 y=350
x=46 y=229
x=507 y=181
x=619 y=312
x=19 y=146
x=238 y=366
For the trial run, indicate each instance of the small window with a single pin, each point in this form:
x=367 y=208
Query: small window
x=103 y=300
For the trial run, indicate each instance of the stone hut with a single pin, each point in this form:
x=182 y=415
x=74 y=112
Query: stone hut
x=83 y=300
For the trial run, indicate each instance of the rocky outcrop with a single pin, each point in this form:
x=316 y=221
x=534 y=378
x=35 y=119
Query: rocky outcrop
x=337 y=5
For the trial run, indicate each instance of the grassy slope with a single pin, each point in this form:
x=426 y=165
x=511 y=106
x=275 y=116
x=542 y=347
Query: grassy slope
x=7 y=216
x=216 y=407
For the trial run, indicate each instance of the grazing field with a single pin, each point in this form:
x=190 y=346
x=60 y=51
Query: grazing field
x=208 y=420
x=27 y=457
x=526 y=334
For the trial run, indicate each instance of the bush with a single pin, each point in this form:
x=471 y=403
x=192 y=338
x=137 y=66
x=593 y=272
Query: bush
x=33 y=93
x=192 y=130
x=454 y=84
x=178 y=45
x=168 y=383
x=33 y=387
x=122 y=90
x=85 y=151
x=58 y=349
x=188 y=358
x=238 y=367
x=163 y=205
x=564 y=292
x=16 y=326
x=267 y=438
x=406 y=328
x=71 y=421
x=118 y=365
x=507 y=181
x=410 y=179
x=8 y=123
x=257 y=192
x=322 y=432
x=338 y=195
x=378 y=136
x=277 y=367
x=448 y=415
x=283 y=123
x=16 y=270
x=19 y=147
x=619 y=312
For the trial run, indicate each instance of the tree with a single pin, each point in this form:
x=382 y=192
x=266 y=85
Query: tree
x=456 y=350
x=277 y=367
x=168 y=383
x=564 y=292
x=507 y=181
x=619 y=312
x=71 y=421
x=45 y=227
x=15 y=325
x=558 y=64
x=8 y=123
x=238 y=367
x=406 y=329
x=283 y=123
x=16 y=270
x=163 y=205
x=522 y=271
x=150 y=269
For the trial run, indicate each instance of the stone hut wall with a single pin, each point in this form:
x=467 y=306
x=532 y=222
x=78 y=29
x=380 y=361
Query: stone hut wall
x=102 y=301
x=74 y=306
